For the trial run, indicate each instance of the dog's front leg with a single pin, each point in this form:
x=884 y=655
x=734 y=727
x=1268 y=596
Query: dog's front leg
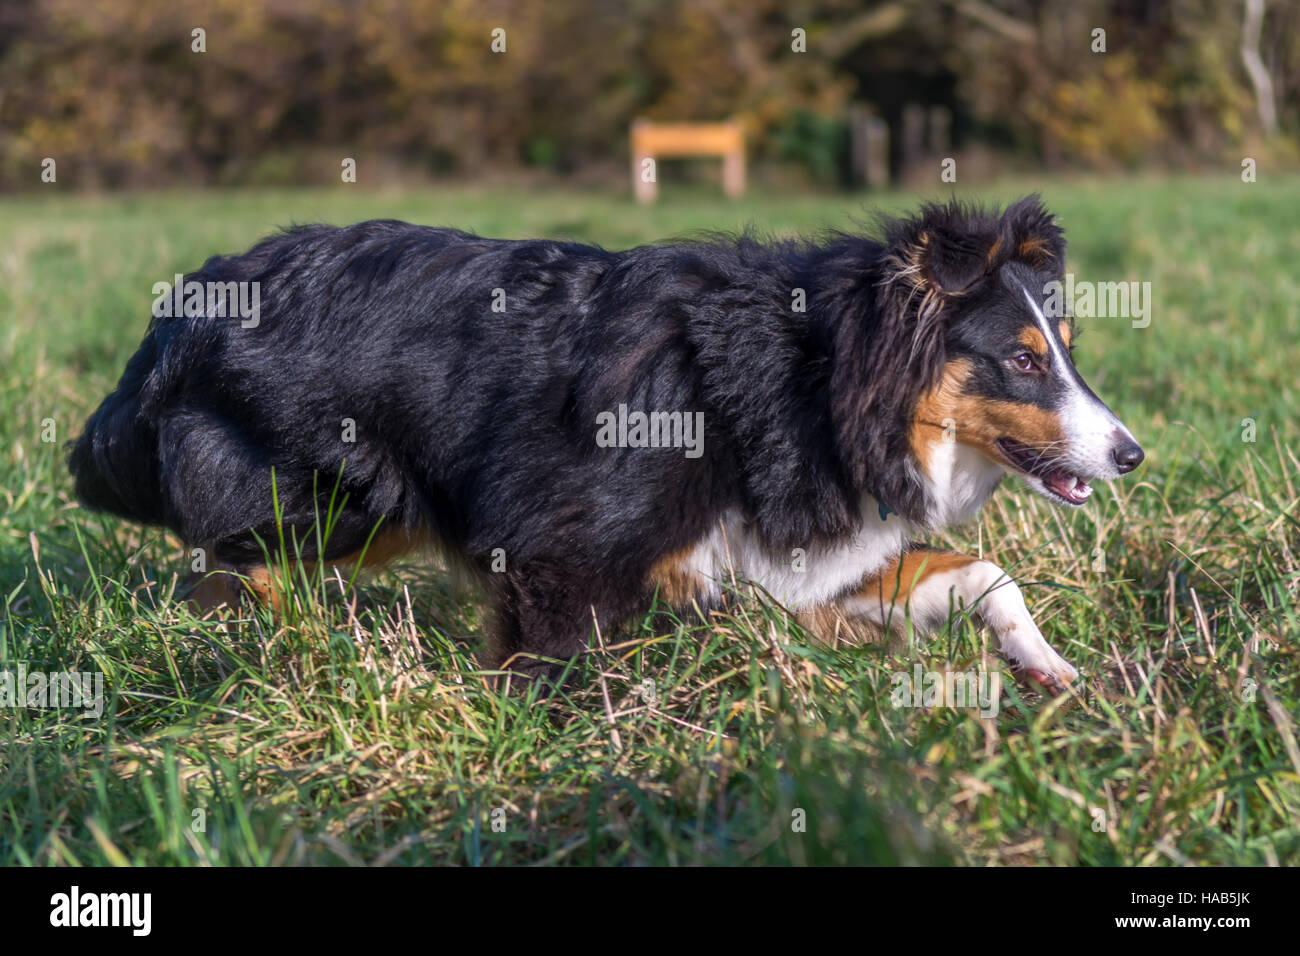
x=925 y=584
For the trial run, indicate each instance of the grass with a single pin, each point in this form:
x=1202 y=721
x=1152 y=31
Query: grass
x=357 y=729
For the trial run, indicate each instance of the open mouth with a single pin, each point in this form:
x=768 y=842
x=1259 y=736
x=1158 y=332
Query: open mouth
x=1055 y=480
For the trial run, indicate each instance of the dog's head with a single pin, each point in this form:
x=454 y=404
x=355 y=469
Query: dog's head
x=965 y=300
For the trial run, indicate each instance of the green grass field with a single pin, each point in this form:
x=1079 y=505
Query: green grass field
x=358 y=732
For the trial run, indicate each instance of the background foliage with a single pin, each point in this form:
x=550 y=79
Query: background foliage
x=112 y=89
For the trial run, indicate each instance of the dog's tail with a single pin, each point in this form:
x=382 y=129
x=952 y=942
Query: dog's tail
x=116 y=460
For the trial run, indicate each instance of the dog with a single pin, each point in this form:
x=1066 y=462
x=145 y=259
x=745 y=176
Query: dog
x=588 y=432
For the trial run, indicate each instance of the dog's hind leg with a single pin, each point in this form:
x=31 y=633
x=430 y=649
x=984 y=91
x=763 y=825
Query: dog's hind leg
x=543 y=615
x=229 y=582
x=221 y=487
x=232 y=579
x=213 y=588
x=925 y=586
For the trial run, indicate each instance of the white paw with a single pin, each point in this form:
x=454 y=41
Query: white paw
x=1033 y=656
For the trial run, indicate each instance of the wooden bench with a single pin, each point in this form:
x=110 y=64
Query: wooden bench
x=656 y=141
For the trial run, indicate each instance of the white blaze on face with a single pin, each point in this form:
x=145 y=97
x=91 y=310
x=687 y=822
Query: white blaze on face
x=1092 y=432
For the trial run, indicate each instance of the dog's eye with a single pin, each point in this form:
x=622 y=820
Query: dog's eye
x=1025 y=362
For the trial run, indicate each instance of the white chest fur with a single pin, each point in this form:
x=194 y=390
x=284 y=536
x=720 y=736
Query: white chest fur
x=805 y=576
x=960 y=479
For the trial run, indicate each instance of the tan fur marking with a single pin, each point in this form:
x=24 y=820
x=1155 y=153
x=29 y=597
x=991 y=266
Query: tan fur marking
x=993 y=250
x=262 y=585
x=896 y=583
x=978 y=421
x=893 y=585
x=224 y=588
x=935 y=406
x=676 y=585
x=1034 y=249
x=215 y=590
x=981 y=423
x=831 y=626
x=1033 y=340
x=1066 y=331
x=387 y=546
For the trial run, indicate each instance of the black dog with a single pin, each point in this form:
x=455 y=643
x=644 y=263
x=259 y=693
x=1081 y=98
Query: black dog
x=586 y=429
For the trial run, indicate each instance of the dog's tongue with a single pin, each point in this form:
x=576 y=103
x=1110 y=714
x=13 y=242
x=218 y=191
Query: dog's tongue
x=1068 y=486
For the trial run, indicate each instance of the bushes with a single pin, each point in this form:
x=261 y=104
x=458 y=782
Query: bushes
x=118 y=94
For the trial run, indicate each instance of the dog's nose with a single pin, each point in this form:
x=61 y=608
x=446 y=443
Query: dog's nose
x=1128 y=455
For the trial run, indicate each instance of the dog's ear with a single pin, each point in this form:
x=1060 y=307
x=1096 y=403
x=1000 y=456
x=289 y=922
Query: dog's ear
x=1032 y=235
x=886 y=360
x=946 y=250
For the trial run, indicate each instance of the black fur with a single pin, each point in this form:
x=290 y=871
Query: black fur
x=479 y=426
